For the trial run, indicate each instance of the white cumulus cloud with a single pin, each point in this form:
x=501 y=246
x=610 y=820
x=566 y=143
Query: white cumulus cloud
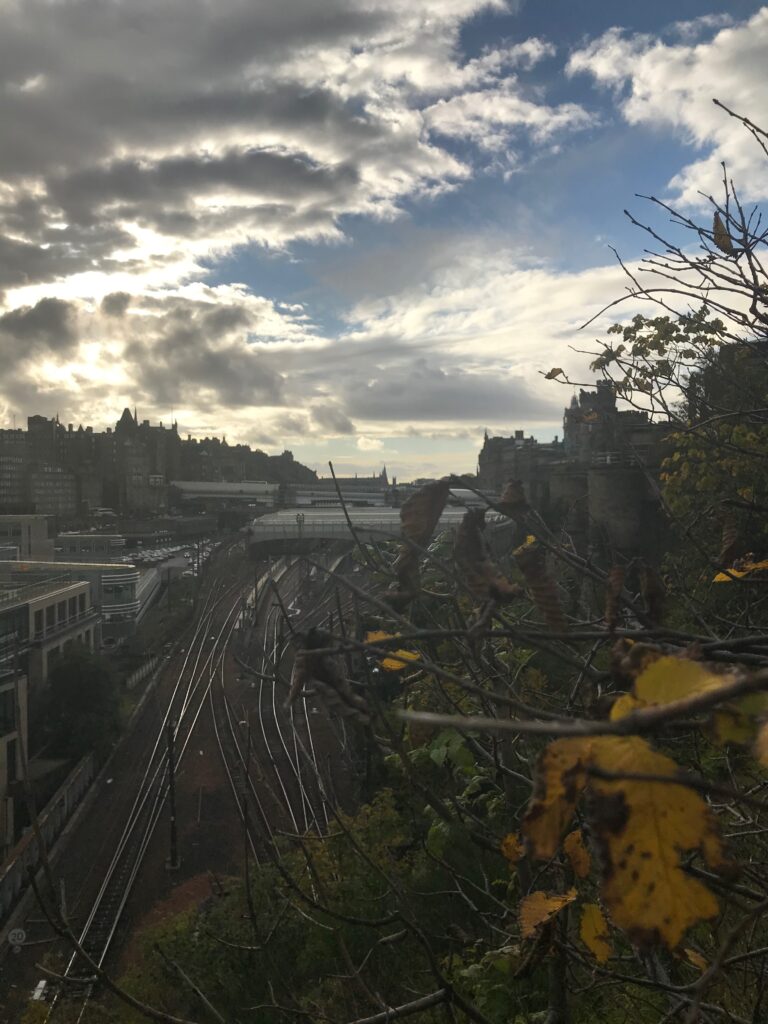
x=672 y=86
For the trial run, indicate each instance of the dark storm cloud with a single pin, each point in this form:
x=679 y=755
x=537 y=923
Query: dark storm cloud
x=223 y=319
x=147 y=114
x=115 y=304
x=55 y=252
x=25 y=263
x=197 y=354
x=259 y=174
x=331 y=419
x=48 y=325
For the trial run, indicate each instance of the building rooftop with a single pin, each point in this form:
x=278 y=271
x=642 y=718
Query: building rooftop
x=18 y=588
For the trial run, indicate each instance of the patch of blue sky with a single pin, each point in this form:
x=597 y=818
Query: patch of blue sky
x=567 y=23
x=284 y=277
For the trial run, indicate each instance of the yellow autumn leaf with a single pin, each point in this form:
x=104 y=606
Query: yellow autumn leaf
x=594 y=932
x=665 y=680
x=560 y=779
x=396 y=661
x=625 y=705
x=745 y=570
x=529 y=542
x=377 y=635
x=642 y=829
x=738 y=722
x=669 y=679
x=512 y=848
x=540 y=907
x=695 y=958
x=577 y=853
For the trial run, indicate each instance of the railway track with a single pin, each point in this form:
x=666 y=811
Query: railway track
x=204 y=652
x=271 y=754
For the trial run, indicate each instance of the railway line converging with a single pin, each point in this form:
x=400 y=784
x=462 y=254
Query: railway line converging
x=284 y=765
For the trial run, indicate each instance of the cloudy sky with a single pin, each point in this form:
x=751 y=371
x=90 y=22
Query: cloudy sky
x=359 y=229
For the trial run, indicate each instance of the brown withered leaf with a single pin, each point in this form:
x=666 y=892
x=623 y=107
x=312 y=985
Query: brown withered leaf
x=300 y=675
x=397 y=599
x=419 y=516
x=539 y=907
x=513 y=501
x=556 y=371
x=421 y=513
x=629 y=659
x=654 y=593
x=481 y=575
x=721 y=236
x=695 y=958
x=613 y=588
x=312 y=666
x=532 y=561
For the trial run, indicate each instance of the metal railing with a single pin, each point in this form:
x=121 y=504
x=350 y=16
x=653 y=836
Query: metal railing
x=61 y=627
x=24 y=592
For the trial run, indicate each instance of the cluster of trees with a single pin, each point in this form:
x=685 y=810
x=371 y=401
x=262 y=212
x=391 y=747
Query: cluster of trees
x=567 y=821
x=82 y=713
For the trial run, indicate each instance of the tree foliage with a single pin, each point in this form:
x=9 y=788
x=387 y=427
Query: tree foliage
x=83 y=711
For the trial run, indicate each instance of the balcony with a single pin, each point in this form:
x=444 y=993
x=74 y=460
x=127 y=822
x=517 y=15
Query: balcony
x=68 y=625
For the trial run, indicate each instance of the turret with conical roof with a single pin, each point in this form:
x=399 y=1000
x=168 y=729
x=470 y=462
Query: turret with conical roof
x=126 y=424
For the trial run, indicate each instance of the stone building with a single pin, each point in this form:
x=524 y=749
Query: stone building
x=28 y=535
x=14 y=628
x=598 y=483
x=56 y=470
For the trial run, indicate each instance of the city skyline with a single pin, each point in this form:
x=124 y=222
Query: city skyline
x=360 y=231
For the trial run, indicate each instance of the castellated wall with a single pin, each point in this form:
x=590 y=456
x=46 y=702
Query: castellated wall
x=597 y=484
x=569 y=503
x=624 y=512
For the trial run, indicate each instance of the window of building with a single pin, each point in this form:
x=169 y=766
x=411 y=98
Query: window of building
x=50 y=616
x=39 y=622
x=62 y=611
x=72 y=607
x=81 y=603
